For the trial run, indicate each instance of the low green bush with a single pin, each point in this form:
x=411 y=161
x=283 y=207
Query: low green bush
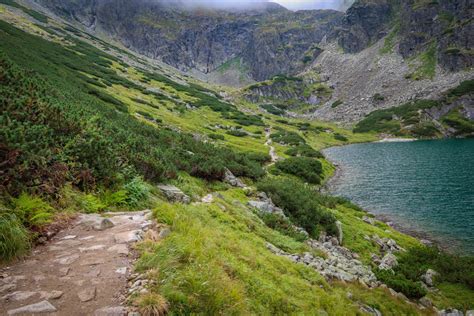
x=237 y=133
x=340 y=137
x=299 y=204
x=287 y=137
x=398 y=282
x=282 y=225
x=216 y=136
x=306 y=168
x=137 y=191
x=336 y=103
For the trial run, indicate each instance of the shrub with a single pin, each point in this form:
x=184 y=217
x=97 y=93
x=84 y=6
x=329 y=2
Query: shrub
x=464 y=87
x=32 y=211
x=336 y=103
x=378 y=97
x=14 y=240
x=216 y=136
x=400 y=283
x=305 y=168
x=136 y=191
x=299 y=204
x=282 y=225
x=237 y=133
x=270 y=108
x=286 y=137
x=340 y=137
x=91 y=204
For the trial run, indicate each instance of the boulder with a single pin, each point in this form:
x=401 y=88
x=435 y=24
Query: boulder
x=368 y=220
x=207 y=199
x=232 y=180
x=41 y=307
x=426 y=302
x=94 y=222
x=450 y=312
x=389 y=261
x=174 y=194
x=429 y=276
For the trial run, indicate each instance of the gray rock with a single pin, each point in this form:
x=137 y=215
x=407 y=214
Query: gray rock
x=95 y=222
x=19 y=296
x=87 y=294
x=368 y=220
x=429 y=276
x=128 y=237
x=165 y=232
x=371 y=310
x=450 y=312
x=470 y=312
x=426 y=302
x=40 y=307
x=232 y=180
x=174 y=194
x=111 y=311
x=389 y=261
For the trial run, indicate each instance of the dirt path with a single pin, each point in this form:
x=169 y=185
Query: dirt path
x=268 y=143
x=82 y=271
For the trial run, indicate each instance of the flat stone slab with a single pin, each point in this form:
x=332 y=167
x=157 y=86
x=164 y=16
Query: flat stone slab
x=67 y=260
x=87 y=295
x=91 y=248
x=40 y=307
x=18 y=296
x=128 y=237
x=111 y=311
x=121 y=249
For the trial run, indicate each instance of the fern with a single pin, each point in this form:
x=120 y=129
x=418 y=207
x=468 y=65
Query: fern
x=91 y=204
x=32 y=211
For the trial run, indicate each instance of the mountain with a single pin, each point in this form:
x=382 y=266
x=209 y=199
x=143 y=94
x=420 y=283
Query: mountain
x=255 y=43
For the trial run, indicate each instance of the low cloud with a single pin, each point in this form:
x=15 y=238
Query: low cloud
x=245 y=4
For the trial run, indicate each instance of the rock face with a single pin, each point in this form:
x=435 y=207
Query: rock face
x=266 y=39
x=365 y=22
x=448 y=23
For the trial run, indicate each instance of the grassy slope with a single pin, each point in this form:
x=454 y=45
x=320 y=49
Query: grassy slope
x=215 y=259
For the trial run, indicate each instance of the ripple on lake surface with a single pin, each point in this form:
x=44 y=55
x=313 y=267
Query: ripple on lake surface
x=424 y=186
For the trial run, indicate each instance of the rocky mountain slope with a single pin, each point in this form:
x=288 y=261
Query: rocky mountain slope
x=258 y=42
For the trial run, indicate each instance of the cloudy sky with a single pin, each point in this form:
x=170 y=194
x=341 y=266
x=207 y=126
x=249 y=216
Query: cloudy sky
x=290 y=4
x=309 y=4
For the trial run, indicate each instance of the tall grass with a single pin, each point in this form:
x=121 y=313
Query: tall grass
x=14 y=240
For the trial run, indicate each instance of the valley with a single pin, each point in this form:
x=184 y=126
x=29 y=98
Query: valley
x=211 y=123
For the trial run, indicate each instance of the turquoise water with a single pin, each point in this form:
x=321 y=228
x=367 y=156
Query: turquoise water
x=423 y=186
